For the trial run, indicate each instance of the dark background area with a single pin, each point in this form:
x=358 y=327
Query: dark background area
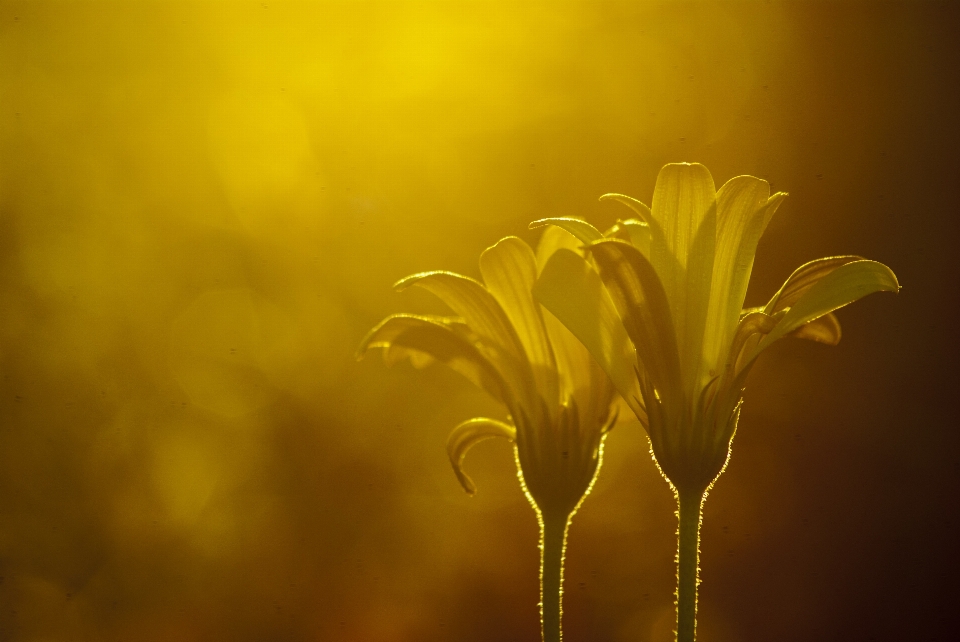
x=203 y=207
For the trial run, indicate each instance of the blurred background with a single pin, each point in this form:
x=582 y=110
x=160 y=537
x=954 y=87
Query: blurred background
x=203 y=207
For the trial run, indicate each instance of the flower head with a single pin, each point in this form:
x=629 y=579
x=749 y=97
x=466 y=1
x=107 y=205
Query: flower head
x=557 y=398
x=677 y=276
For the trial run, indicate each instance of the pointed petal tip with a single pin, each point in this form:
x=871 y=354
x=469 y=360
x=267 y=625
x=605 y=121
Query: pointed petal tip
x=505 y=239
x=503 y=244
x=893 y=284
x=642 y=210
x=896 y=281
x=468 y=486
x=364 y=346
x=407 y=281
x=583 y=231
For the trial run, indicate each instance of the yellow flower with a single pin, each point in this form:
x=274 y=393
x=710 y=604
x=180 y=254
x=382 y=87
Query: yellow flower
x=676 y=277
x=558 y=399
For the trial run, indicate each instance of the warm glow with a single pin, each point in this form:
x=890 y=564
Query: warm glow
x=203 y=206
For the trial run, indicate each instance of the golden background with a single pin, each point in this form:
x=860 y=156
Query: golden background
x=203 y=207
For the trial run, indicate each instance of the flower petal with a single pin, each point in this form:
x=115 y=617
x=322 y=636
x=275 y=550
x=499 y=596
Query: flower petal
x=572 y=291
x=578 y=227
x=804 y=278
x=841 y=286
x=635 y=232
x=509 y=271
x=642 y=211
x=683 y=197
x=552 y=239
x=654 y=231
x=743 y=209
x=642 y=304
x=470 y=300
x=582 y=380
x=750 y=325
x=466 y=435
x=408 y=335
x=684 y=205
x=573 y=361
x=825 y=329
x=483 y=314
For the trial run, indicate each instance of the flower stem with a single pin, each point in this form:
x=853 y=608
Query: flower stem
x=553 y=538
x=690 y=505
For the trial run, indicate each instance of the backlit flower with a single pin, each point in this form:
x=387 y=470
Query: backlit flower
x=558 y=399
x=676 y=277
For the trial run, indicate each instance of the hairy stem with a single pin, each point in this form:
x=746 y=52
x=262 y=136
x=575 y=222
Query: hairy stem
x=553 y=538
x=690 y=505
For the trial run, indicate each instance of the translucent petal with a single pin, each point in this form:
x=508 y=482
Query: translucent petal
x=573 y=292
x=585 y=232
x=841 y=286
x=742 y=207
x=637 y=233
x=803 y=278
x=466 y=435
x=553 y=239
x=642 y=305
x=641 y=210
x=396 y=353
x=437 y=337
x=470 y=300
x=509 y=271
x=573 y=361
x=483 y=314
x=684 y=205
x=683 y=196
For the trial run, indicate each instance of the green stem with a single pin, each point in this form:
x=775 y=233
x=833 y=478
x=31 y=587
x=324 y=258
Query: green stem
x=690 y=505
x=553 y=537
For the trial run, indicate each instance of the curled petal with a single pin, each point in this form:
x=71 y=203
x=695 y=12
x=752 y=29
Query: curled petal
x=466 y=435
x=642 y=211
x=751 y=324
x=497 y=338
x=825 y=329
x=470 y=300
x=841 y=286
x=804 y=278
x=585 y=232
x=438 y=338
